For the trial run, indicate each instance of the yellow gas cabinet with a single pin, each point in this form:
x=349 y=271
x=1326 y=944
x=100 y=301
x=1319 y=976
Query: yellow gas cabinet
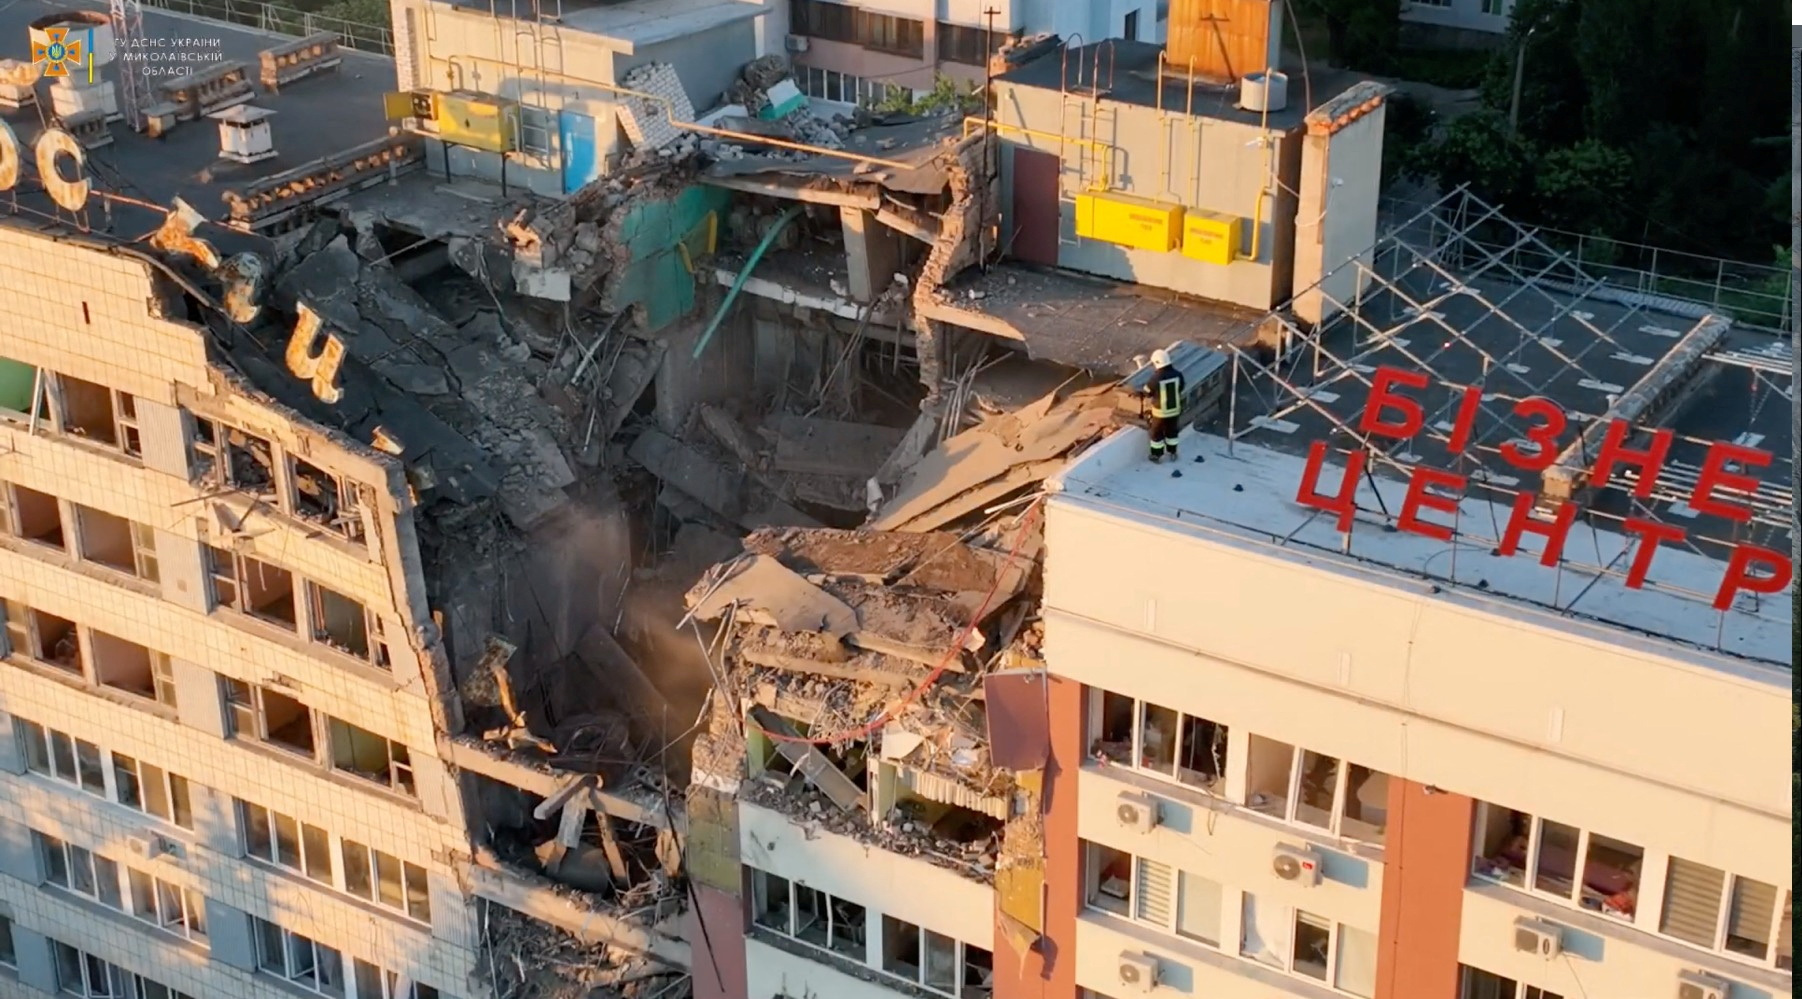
x=1211 y=237
x=1125 y=220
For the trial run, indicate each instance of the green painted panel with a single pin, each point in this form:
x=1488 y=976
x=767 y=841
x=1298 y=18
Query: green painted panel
x=16 y=383
x=656 y=277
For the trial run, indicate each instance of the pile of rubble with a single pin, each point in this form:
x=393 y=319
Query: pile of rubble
x=856 y=653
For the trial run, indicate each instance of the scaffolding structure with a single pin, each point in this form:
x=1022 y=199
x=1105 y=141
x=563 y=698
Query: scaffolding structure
x=1432 y=297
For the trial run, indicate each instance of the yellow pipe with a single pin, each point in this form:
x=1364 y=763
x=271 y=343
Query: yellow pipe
x=1031 y=133
x=1257 y=212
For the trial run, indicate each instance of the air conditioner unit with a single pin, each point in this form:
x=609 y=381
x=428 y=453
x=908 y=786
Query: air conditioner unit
x=796 y=43
x=1700 y=985
x=1136 y=810
x=1138 y=972
x=1300 y=864
x=1534 y=936
x=147 y=847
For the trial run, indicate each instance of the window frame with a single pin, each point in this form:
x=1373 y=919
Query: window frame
x=240 y=569
x=9 y=952
x=1134 y=911
x=46 y=846
x=959 y=43
x=259 y=716
x=760 y=899
x=1292 y=803
x=1097 y=716
x=400 y=777
x=370 y=868
x=893 y=34
x=304 y=865
x=188 y=922
x=375 y=637
x=290 y=942
x=176 y=791
x=1783 y=895
x=960 y=986
x=1293 y=919
x=45 y=738
x=40 y=397
x=1530 y=871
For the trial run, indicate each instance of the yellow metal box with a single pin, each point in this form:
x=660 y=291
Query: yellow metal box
x=1126 y=220
x=1211 y=237
x=487 y=123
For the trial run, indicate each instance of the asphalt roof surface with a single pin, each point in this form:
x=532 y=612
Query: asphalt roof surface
x=314 y=117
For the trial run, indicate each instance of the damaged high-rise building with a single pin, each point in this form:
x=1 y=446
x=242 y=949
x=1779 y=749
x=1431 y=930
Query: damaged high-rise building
x=623 y=513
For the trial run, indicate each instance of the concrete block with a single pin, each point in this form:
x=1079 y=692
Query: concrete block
x=216 y=820
x=36 y=963
x=162 y=430
x=228 y=931
x=197 y=694
x=17 y=859
x=12 y=761
x=183 y=573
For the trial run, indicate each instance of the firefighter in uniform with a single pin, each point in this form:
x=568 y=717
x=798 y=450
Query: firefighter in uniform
x=1166 y=390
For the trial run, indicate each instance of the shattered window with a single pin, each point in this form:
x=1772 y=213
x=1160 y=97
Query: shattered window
x=770 y=901
x=19 y=384
x=327 y=500
x=340 y=622
x=250 y=462
x=979 y=973
x=371 y=757
x=203 y=458
x=901 y=948
x=89 y=410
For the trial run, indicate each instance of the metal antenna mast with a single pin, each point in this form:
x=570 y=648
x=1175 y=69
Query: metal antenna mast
x=128 y=28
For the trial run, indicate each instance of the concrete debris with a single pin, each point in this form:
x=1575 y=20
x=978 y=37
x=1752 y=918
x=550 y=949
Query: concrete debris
x=763 y=591
x=991 y=461
x=648 y=119
x=831 y=447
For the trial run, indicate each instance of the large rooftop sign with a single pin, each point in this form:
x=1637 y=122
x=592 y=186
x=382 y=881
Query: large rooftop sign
x=1727 y=471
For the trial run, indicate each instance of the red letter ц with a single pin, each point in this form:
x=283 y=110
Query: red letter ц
x=1346 y=502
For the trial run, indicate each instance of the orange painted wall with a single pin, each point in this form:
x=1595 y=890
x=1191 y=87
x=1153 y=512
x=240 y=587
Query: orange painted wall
x=1427 y=860
x=1052 y=973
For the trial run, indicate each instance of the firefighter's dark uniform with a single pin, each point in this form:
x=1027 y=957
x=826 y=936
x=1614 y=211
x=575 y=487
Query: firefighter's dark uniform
x=1166 y=411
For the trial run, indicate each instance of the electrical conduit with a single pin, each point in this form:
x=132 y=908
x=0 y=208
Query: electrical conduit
x=744 y=274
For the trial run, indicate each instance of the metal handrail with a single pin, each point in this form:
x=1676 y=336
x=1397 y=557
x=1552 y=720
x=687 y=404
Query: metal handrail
x=363 y=37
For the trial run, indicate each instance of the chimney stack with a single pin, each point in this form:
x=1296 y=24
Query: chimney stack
x=1221 y=41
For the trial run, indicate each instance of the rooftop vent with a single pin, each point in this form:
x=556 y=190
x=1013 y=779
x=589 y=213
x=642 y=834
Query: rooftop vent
x=1264 y=92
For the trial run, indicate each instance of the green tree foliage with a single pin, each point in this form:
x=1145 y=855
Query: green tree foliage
x=1639 y=120
x=1360 y=33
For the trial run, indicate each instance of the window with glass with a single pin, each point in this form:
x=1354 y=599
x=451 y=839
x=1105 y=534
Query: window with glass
x=1557 y=860
x=168 y=906
x=22 y=391
x=152 y=790
x=1154 y=893
x=1313 y=789
x=370 y=756
x=386 y=880
x=297 y=959
x=60 y=756
x=285 y=841
x=1158 y=740
x=1309 y=946
x=78 y=870
x=1724 y=912
x=808 y=914
x=9 y=955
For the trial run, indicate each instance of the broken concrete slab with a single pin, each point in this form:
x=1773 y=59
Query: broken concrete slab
x=716 y=487
x=766 y=592
x=599 y=650
x=994 y=491
x=815 y=446
x=838 y=671
x=989 y=452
